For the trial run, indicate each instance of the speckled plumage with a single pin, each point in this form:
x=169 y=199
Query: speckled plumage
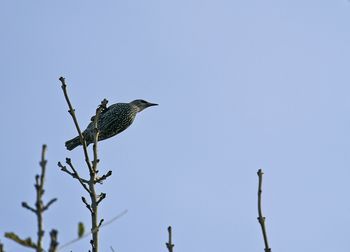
x=115 y=119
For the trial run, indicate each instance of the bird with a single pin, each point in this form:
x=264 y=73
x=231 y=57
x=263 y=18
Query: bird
x=112 y=121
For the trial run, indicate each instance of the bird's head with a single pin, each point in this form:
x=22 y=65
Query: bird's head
x=142 y=104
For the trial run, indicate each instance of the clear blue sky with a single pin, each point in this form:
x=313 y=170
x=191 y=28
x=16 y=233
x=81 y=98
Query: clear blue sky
x=242 y=85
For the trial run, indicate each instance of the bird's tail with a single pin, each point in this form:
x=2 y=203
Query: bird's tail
x=71 y=144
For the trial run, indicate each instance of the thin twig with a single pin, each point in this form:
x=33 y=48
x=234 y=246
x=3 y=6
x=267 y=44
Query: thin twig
x=169 y=244
x=38 y=210
x=25 y=205
x=75 y=174
x=261 y=218
x=53 y=241
x=86 y=204
x=39 y=186
x=24 y=242
x=101 y=222
x=101 y=197
x=89 y=185
x=100 y=179
x=94 y=198
x=99 y=110
x=81 y=180
x=49 y=204
x=72 y=113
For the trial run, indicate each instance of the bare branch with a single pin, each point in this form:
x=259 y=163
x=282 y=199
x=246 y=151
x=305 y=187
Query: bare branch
x=94 y=199
x=99 y=110
x=24 y=242
x=75 y=173
x=101 y=179
x=100 y=224
x=43 y=163
x=49 y=204
x=39 y=186
x=261 y=218
x=82 y=181
x=72 y=113
x=38 y=210
x=89 y=185
x=169 y=244
x=101 y=197
x=25 y=205
x=53 y=241
x=64 y=169
x=86 y=204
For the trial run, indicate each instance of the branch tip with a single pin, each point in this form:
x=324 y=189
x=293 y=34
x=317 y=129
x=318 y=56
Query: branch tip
x=169 y=244
x=261 y=218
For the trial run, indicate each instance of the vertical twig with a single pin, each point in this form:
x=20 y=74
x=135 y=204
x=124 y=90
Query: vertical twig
x=71 y=111
x=39 y=186
x=261 y=218
x=95 y=199
x=169 y=244
x=92 y=181
x=53 y=241
x=38 y=210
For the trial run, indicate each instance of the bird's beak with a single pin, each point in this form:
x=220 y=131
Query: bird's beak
x=152 y=104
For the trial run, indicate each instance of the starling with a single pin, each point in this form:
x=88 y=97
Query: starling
x=113 y=120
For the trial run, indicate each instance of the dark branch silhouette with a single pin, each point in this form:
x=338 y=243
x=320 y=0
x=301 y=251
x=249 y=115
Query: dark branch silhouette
x=38 y=210
x=261 y=218
x=88 y=184
x=169 y=244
